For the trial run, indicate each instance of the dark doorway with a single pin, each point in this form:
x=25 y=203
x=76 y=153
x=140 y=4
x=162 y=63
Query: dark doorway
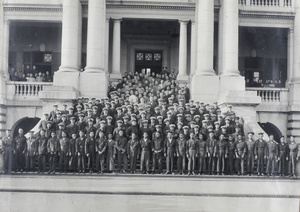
x=148 y=61
x=26 y=124
x=270 y=128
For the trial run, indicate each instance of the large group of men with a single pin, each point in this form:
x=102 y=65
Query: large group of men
x=150 y=121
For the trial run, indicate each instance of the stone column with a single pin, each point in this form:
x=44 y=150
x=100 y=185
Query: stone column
x=68 y=73
x=204 y=82
x=116 y=49
x=4 y=41
x=290 y=67
x=93 y=81
x=182 y=66
x=106 y=43
x=229 y=36
x=5 y=48
x=193 y=48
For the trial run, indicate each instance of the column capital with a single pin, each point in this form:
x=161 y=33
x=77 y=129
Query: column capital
x=115 y=19
x=185 y=22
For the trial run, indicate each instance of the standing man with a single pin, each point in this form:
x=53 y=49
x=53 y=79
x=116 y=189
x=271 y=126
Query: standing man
x=146 y=146
x=240 y=152
x=283 y=148
x=202 y=154
x=8 y=148
x=211 y=152
x=158 y=151
x=80 y=151
x=42 y=151
x=181 y=152
x=231 y=154
x=64 y=152
x=90 y=150
x=260 y=153
x=272 y=155
x=101 y=145
x=20 y=148
x=121 y=147
x=170 y=152
x=133 y=151
x=53 y=149
x=221 y=153
x=294 y=155
x=191 y=151
x=251 y=144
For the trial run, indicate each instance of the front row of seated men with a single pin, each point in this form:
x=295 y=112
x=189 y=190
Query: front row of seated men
x=98 y=153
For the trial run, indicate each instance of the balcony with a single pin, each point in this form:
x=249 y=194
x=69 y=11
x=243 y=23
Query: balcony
x=25 y=90
x=272 y=99
x=267 y=5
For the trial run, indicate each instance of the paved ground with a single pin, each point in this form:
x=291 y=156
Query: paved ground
x=147 y=193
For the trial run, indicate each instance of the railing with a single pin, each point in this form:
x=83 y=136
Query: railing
x=267 y=3
x=271 y=94
x=26 y=89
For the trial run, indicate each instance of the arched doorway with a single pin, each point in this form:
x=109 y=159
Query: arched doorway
x=270 y=128
x=25 y=123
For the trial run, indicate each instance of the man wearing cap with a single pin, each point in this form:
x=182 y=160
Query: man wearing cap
x=240 y=152
x=146 y=147
x=132 y=128
x=201 y=153
x=72 y=153
x=53 y=112
x=81 y=123
x=283 y=156
x=191 y=152
x=53 y=149
x=90 y=150
x=181 y=143
x=157 y=149
x=43 y=124
x=90 y=127
x=294 y=155
x=272 y=155
x=64 y=151
x=260 y=153
x=221 y=153
x=72 y=128
x=251 y=144
x=231 y=154
x=101 y=145
x=42 y=151
x=20 y=149
x=170 y=152
x=80 y=151
x=65 y=110
x=121 y=147
x=8 y=148
x=61 y=128
x=109 y=126
x=211 y=152
x=133 y=151
x=145 y=128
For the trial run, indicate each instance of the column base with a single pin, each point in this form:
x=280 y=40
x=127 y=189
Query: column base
x=182 y=78
x=62 y=78
x=205 y=88
x=234 y=97
x=94 y=84
x=294 y=97
x=115 y=77
x=236 y=83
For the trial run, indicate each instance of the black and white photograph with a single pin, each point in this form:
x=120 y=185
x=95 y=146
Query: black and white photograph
x=150 y=105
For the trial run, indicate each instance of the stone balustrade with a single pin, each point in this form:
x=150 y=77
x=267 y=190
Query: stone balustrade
x=25 y=89
x=267 y=3
x=271 y=94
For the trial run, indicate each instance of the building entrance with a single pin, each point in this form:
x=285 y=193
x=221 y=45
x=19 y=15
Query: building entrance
x=148 y=61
